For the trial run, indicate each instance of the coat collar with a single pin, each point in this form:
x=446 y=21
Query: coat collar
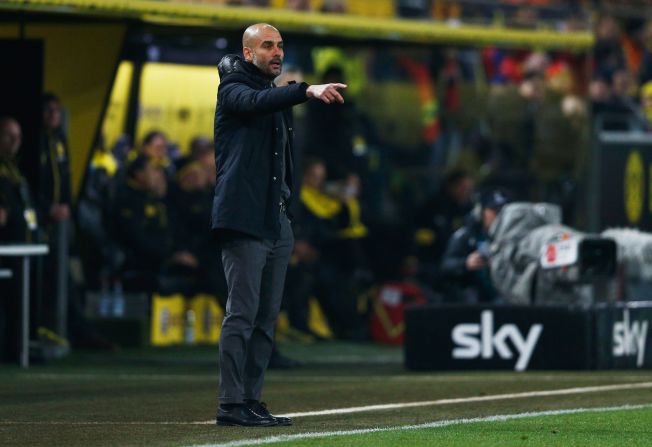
x=234 y=66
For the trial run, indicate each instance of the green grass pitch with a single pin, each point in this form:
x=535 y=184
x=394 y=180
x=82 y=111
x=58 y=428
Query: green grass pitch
x=168 y=397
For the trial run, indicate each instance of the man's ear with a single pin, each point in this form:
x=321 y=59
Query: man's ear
x=248 y=54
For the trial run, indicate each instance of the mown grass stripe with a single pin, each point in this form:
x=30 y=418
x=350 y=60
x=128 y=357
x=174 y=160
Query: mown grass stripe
x=462 y=400
x=448 y=378
x=369 y=408
x=437 y=424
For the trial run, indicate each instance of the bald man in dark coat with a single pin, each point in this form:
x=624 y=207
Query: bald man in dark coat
x=254 y=158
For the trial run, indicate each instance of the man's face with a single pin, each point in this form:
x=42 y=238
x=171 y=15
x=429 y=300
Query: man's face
x=207 y=161
x=152 y=179
x=622 y=82
x=315 y=176
x=488 y=217
x=266 y=52
x=462 y=191
x=157 y=148
x=598 y=90
x=194 y=179
x=10 y=139
x=52 y=115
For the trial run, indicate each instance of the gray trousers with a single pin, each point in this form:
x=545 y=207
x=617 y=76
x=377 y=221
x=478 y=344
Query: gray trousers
x=255 y=276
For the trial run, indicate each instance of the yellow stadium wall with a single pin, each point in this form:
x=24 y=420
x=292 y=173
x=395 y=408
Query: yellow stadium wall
x=80 y=60
x=178 y=100
x=115 y=116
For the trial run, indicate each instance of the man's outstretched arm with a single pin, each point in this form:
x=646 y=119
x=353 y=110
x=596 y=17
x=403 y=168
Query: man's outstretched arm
x=242 y=99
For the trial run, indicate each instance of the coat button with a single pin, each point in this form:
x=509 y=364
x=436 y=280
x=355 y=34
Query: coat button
x=274 y=178
x=275 y=153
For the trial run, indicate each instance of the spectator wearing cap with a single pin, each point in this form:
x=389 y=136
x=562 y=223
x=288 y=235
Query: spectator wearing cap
x=464 y=265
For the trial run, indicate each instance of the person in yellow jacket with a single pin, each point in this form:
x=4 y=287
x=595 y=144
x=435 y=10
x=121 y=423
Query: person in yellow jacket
x=328 y=252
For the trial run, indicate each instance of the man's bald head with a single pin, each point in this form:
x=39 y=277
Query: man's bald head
x=253 y=32
x=262 y=45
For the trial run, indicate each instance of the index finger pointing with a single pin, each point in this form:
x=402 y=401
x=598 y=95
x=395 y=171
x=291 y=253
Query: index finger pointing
x=339 y=86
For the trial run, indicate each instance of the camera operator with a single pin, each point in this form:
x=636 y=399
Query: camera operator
x=465 y=264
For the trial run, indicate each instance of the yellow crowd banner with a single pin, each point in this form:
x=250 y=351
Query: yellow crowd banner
x=177 y=320
x=167 y=320
x=208 y=316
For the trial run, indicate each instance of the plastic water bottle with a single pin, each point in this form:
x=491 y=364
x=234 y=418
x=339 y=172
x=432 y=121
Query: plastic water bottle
x=118 y=300
x=104 y=307
x=189 y=327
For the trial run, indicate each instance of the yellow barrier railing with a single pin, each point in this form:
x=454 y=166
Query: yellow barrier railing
x=352 y=27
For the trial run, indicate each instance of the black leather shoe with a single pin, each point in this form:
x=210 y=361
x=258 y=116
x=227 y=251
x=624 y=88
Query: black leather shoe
x=241 y=415
x=260 y=408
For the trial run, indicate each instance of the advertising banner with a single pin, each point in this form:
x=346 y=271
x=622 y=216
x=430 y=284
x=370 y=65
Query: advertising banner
x=523 y=338
x=623 y=339
x=497 y=337
x=623 y=182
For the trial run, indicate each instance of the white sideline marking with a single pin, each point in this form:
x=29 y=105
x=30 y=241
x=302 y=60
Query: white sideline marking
x=461 y=400
x=437 y=424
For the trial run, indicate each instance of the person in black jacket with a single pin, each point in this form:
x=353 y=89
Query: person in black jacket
x=328 y=255
x=254 y=158
x=18 y=224
x=464 y=265
x=141 y=225
x=190 y=211
x=437 y=220
x=18 y=221
x=51 y=184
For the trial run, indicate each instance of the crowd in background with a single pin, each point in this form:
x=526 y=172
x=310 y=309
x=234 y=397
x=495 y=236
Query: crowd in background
x=562 y=15
x=142 y=217
x=36 y=206
x=622 y=72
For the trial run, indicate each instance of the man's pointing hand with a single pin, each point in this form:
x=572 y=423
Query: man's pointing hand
x=326 y=92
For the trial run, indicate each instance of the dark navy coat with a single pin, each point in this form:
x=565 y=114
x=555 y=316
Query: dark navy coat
x=248 y=148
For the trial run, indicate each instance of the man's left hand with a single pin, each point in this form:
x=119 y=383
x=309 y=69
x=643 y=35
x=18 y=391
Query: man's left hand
x=328 y=93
